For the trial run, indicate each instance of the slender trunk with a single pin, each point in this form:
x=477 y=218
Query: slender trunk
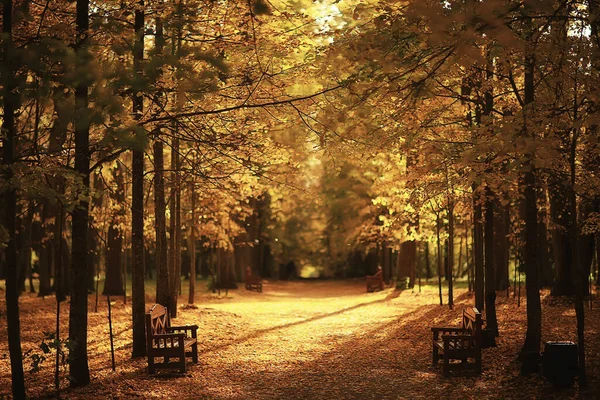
x=450 y=254
x=439 y=255
x=490 y=282
x=501 y=245
x=531 y=348
x=193 y=247
x=597 y=239
x=78 y=360
x=459 y=269
x=427 y=263
x=9 y=138
x=478 y=254
x=163 y=292
x=137 y=199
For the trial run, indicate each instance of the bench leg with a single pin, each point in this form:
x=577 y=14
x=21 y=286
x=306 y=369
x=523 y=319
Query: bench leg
x=478 y=364
x=182 y=360
x=195 y=353
x=150 y=364
x=446 y=366
x=435 y=355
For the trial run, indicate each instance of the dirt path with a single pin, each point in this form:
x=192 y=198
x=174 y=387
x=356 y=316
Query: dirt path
x=300 y=340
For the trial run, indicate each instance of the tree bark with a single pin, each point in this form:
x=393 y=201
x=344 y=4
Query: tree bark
x=478 y=253
x=501 y=245
x=193 y=247
x=9 y=138
x=138 y=309
x=450 y=253
x=163 y=292
x=531 y=348
x=490 y=282
x=78 y=360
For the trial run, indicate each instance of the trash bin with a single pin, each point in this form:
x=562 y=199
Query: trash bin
x=560 y=363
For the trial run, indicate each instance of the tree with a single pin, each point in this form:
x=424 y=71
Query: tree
x=137 y=203
x=78 y=360
x=9 y=138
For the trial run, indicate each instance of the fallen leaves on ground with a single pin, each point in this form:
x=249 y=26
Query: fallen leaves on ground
x=306 y=340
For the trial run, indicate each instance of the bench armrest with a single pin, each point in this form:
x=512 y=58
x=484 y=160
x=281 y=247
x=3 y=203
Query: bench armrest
x=184 y=328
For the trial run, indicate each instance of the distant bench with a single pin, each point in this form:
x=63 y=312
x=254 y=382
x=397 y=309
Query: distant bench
x=164 y=340
x=459 y=343
x=375 y=282
x=253 y=282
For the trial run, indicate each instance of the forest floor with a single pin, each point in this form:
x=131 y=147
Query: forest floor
x=305 y=340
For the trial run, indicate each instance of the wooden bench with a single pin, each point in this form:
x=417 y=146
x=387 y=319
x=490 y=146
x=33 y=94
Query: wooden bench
x=253 y=282
x=164 y=340
x=459 y=343
x=375 y=282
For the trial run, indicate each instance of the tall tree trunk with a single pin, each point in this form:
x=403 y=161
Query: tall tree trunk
x=561 y=246
x=439 y=255
x=531 y=348
x=428 y=273
x=163 y=262
x=501 y=245
x=478 y=253
x=546 y=274
x=450 y=253
x=163 y=292
x=193 y=246
x=78 y=360
x=9 y=138
x=490 y=282
x=137 y=198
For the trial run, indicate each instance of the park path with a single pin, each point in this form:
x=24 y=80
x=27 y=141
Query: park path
x=312 y=340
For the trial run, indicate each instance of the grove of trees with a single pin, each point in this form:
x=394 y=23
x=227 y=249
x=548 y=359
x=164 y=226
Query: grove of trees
x=173 y=138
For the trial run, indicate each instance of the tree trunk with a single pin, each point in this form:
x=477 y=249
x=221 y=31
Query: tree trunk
x=78 y=360
x=193 y=247
x=163 y=292
x=501 y=245
x=114 y=269
x=450 y=252
x=478 y=253
x=439 y=255
x=9 y=138
x=428 y=273
x=546 y=274
x=138 y=309
x=531 y=348
x=490 y=282
x=561 y=245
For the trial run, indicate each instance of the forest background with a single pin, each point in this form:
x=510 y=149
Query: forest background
x=183 y=138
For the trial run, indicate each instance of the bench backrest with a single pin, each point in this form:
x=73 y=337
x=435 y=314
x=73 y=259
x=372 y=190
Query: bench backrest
x=157 y=320
x=472 y=322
